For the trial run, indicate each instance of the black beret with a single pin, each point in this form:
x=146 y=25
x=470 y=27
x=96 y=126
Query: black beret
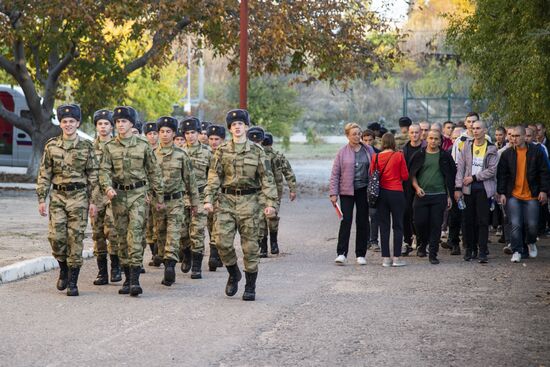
x=169 y=122
x=150 y=126
x=256 y=134
x=191 y=124
x=103 y=115
x=268 y=139
x=125 y=112
x=237 y=115
x=204 y=125
x=374 y=126
x=405 y=121
x=217 y=130
x=69 y=110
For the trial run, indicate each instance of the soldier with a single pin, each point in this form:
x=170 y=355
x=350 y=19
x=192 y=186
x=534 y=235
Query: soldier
x=203 y=133
x=136 y=128
x=128 y=163
x=103 y=226
x=179 y=180
x=216 y=136
x=241 y=174
x=151 y=134
x=70 y=167
x=403 y=137
x=179 y=138
x=281 y=169
x=193 y=238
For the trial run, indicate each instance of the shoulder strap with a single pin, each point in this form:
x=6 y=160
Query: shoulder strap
x=383 y=169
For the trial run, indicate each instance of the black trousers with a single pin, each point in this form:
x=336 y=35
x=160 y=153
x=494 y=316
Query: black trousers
x=408 y=227
x=476 y=214
x=390 y=203
x=455 y=224
x=428 y=218
x=347 y=202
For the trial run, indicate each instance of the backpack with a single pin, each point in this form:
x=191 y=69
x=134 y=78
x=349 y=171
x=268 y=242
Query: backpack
x=373 y=187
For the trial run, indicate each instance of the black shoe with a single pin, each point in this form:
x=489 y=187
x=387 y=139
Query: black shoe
x=445 y=245
x=186 y=260
x=274 y=243
x=421 y=252
x=455 y=250
x=72 y=289
x=434 y=260
x=250 y=286
x=196 y=266
x=474 y=253
x=467 y=255
x=102 y=276
x=235 y=276
x=169 y=272
x=126 y=285
x=63 y=279
x=483 y=259
x=116 y=276
x=135 y=288
x=214 y=261
x=263 y=247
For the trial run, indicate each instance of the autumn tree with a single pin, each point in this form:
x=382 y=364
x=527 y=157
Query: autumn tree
x=45 y=43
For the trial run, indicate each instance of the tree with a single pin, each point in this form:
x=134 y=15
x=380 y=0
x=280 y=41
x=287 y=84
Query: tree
x=45 y=43
x=506 y=45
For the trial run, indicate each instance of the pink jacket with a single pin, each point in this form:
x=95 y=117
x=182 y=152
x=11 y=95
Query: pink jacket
x=343 y=170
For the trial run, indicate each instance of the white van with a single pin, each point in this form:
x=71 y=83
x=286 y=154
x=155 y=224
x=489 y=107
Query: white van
x=15 y=144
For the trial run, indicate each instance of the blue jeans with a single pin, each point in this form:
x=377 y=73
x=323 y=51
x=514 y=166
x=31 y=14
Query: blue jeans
x=522 y=213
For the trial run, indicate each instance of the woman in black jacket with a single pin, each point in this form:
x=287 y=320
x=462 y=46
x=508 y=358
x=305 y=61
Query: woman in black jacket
x=433 y=176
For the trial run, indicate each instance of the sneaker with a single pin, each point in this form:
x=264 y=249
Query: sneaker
x=474 y=253
x=434 y=260
x=421 y=252
x=361 y=260
x=340 y=260
x=498 y=233
x=507 y=249
x=376 y=247
x=444 y=234
x=533 y=250
x=398 y=262
x=406 y=250
x=516 y=257
x=467 y=255
x=386 y=262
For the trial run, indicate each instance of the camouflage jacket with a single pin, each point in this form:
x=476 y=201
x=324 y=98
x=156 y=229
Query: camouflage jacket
x=281 y=170
x=98 y=148
x=127 y=161
x=63 y=166
x=248 y=169
x=177 y=172
x=400 y=141
x=200 y=155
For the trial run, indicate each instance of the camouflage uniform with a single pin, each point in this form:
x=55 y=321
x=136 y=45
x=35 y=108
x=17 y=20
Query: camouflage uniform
x=401 y=140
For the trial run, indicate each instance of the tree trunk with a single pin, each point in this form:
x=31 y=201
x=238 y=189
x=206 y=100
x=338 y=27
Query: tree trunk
x=39 y=139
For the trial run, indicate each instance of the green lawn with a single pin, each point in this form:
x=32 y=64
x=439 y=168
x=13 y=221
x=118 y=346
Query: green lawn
x=305 y=151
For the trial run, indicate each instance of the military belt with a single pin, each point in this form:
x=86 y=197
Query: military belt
x=176 y=195
x=135 y=185
x=69 y=187
x=201 y=189
x=238 y=192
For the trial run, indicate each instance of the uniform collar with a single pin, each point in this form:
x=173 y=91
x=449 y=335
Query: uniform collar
x=60 y=140
x=131 y=142
x=247 y=144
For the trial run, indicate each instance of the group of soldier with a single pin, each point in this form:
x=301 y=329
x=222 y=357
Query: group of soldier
x=163 y=191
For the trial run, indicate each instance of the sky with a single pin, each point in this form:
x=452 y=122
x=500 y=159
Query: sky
x=395 y=10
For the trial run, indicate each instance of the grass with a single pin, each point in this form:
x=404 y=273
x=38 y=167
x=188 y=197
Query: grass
x=305 y=151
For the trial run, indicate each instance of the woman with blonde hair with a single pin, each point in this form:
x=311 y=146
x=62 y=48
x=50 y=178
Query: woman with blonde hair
x=348 y=181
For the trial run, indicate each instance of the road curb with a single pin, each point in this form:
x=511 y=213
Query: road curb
x=27 y=268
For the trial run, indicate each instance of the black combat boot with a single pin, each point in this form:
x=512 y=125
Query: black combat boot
x=214 y=259
x=196 y=266
x=455 y=249
x=126 y=285
x=235 y=276
x=115 y=269
x=273 y=242
x=250 y=286
x=63 y=276
x=169 y=272
x=156 y=260
x=263 y=246
x=186 y=260
x=421 y=251
x=72 y=289
x=135 y=288
x=102 y=276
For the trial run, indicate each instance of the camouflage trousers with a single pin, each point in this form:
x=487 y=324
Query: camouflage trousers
x=193 y=235
x=170 y=222
x=103 y=230
x=271 y=223
x=68 y=218
x=150 y=234
x=129 y=216
x=238 y=213
x=211 y=217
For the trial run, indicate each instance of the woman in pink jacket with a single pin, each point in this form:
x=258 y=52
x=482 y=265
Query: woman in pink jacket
x=349 y=180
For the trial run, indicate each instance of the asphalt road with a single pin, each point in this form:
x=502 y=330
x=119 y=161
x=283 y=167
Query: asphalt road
x=308 y=312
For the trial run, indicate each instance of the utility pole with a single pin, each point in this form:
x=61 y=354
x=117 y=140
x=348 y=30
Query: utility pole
x=243 y=74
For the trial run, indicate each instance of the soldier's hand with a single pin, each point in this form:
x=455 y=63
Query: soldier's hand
x=111 y=193
x=270 y=211
x=292 y=196
x=42 y=209
x=147 y=198
x=92 y=211
x=161 y=206
x=194 y=210
x=208 y=207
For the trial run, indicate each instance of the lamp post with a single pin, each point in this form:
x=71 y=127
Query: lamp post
x=243 y=54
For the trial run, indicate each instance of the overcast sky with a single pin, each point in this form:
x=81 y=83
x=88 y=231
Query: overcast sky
x=396 y=10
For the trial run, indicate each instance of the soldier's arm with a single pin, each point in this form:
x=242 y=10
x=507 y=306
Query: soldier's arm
x=215 y=173
x=154 y=175
x=44 y=178
x=290 y=177
x=269 y=189
x=190 y=182
x=105 y=170
x=92 y=173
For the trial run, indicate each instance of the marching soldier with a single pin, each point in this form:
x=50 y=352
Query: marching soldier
x=179 y=138
x=193 y=239
x=102 y=226
x=179 y=180
x=128 y=164
x=150 y=130
x=203 y=133
x=69 y=167
x=281 y=169
x=216 y=136
x=240 y=175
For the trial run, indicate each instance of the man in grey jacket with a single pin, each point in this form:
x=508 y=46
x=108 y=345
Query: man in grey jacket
x=476 y=184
